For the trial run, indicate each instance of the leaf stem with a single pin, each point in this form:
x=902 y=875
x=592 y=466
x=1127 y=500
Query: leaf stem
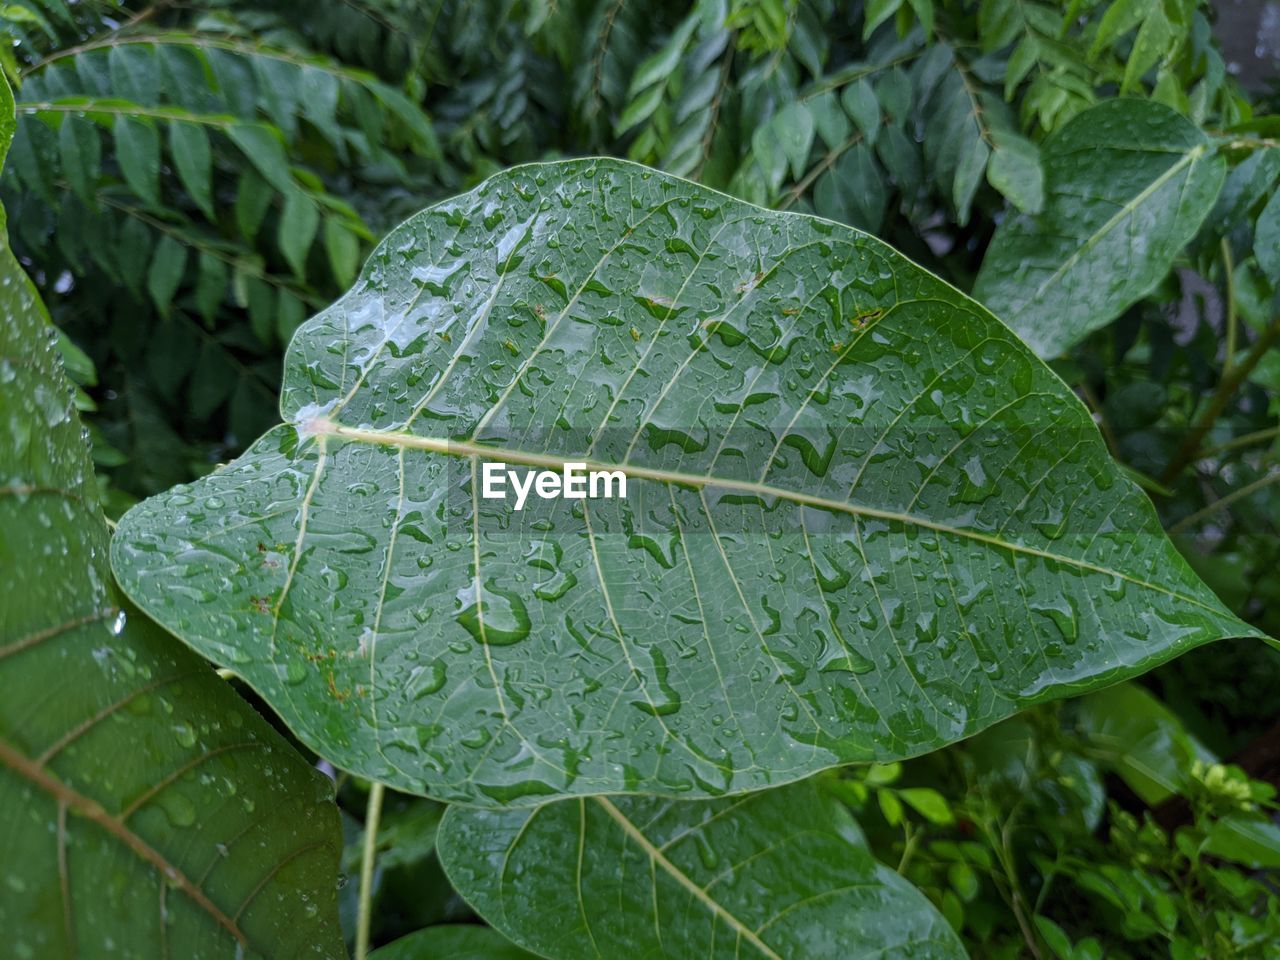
x=1221 y=504
x=1245 y=440
x=1231 y=380
x=1229 y=282
x=364 y=911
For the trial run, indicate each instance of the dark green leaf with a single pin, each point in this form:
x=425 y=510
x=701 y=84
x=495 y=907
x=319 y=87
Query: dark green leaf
x=1127 y=184
x=264 y=149
x=1266 y=239
x=775 y=595
x=298 y=227
x=1014 y=170
x=167 y=267
x=148 y=809
x=863 y=108
x=452 y=942
x=780 y=874
x=80 y=151
x=193 y=159
x=343 y=248
x=138 y=153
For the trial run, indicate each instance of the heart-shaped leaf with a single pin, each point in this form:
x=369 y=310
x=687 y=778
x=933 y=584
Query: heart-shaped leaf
x=148 y=811
x=861 y=519
x=781 y=873
x=1126 y=185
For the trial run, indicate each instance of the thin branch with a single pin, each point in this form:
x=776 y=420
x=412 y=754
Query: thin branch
x=364 y=910
x=1227 y=386
x=1235 y=495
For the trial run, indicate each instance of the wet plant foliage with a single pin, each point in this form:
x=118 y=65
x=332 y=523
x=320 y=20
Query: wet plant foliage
x=927 y=357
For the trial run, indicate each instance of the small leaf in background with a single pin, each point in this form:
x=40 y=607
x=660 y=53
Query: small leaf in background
x=193 y=159
x=1266 y=242
x=138 y=152
x=860 y=102
x=211 y=285
x=135 y=73
x=165 y=275
x=290 y=312
x=262 y=309
x=784 y=143
x=253 y=199
x=298 y=226
x=264 y=149
x=929 y=803
x=1014 y=170
x=854 y=190
x=343 y=249
x=877 y=12
x=1127 y=184
x=780 y=874
x=80 y=151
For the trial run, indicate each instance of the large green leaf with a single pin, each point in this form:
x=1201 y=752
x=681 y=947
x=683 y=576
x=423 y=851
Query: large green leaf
x=778 y=874
x=1126 y=185
x=862 y=520
x=148 y=811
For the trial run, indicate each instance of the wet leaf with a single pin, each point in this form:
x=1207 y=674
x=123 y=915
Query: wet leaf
x=149 y=812
x=1126 y=185
x=778 y=874
x=452 y=941
x=862 y=520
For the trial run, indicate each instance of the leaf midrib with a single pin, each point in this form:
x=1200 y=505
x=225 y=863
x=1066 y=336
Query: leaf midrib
x=321 y=426
x=90 y=809
x=652 y=851
x=1125 y=210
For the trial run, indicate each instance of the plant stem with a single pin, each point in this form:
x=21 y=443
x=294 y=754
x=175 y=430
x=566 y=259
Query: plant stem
x=1246 y=440
x=1229 y=281
x=364 y=912
x=1224 y=502
x=1231 y=380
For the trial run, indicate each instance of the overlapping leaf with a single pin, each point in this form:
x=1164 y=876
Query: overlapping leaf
x=148 y=811
x=862 y=519
x=1126 y=185
x=778 y=874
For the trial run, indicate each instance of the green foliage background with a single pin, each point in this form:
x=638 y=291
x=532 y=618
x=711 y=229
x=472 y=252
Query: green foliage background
x=190 y=181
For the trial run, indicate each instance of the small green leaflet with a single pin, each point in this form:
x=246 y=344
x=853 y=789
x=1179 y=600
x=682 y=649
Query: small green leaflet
x=862 y=521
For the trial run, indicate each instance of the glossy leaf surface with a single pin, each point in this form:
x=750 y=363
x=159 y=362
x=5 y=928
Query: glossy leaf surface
x=1126 y=185
x=148 y=812
x=778 y=874
x=862 y=519
x=452 y=941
